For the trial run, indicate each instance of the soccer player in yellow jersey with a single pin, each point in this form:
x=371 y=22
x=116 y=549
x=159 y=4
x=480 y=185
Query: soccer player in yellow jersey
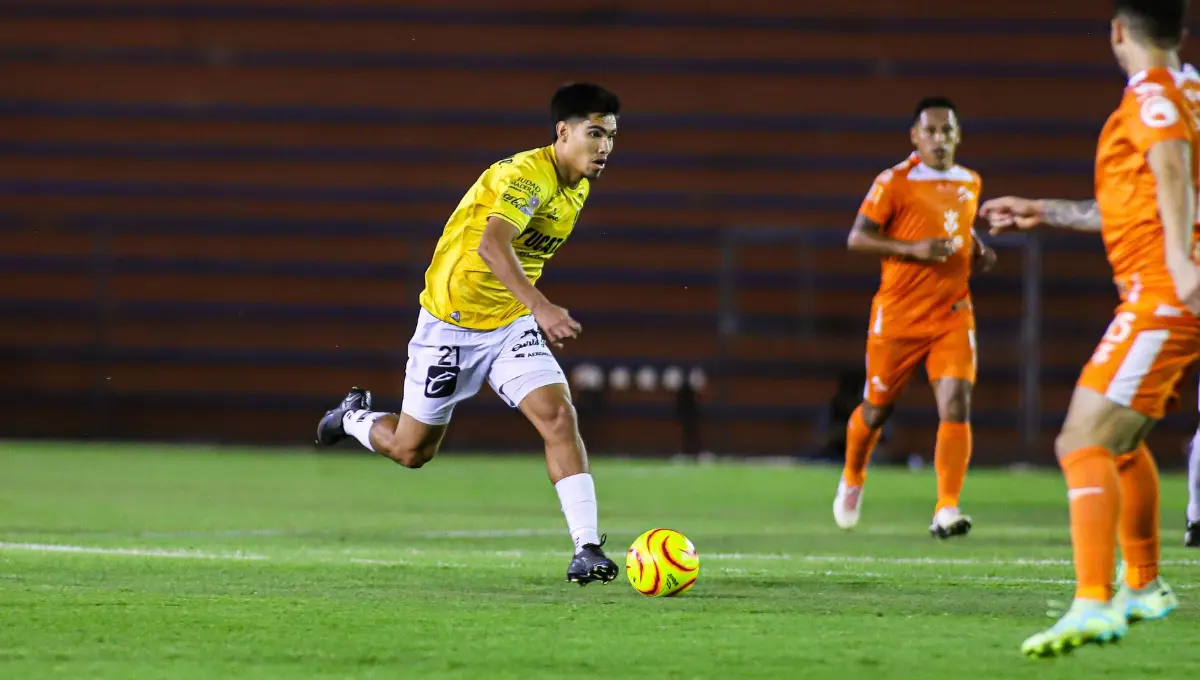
x=482 y=318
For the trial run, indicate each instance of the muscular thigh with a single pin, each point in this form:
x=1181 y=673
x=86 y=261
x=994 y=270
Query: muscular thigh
x=952 y=355
x=890 y=365
x=1142 y=360
x=1095 y=420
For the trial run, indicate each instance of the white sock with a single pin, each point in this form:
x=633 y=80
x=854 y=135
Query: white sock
x=577 y=494
x=1193 y=508
x=358 y=424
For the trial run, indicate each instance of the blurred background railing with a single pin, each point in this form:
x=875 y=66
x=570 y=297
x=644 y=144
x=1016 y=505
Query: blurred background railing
x=215 y=215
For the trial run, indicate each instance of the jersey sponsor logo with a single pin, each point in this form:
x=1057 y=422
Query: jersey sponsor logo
x=441 y=381
x=1159 y=112
x=880 y=185
x=965 y=195
x=533 y=204
x=952 y=228
x=526 y=206
x=530 y=338
x=532 y=241
x=527 y=185
x=950 y=222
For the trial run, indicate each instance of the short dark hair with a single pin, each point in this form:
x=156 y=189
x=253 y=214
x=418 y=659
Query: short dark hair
x=1160 y=21
x=580 y=100
x=934 y=102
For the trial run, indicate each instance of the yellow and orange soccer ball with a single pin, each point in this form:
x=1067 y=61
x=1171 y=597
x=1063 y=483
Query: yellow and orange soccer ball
x=662 y=563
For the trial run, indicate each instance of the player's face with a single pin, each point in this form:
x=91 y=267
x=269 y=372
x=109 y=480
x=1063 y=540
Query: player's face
x=936 y=136
x=587 y=143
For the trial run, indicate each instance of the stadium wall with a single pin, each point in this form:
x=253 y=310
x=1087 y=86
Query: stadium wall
x=216 y=215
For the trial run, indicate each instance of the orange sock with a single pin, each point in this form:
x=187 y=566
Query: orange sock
x=1138 y=528
x=1094 y=492
x=860 y=441
x=950 y=458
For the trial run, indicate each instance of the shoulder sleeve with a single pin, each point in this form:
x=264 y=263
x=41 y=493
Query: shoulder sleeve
x=519 y=189
x=881 y=200
x=1156 y=116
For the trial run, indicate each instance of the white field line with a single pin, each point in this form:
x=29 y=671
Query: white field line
x=495 y=533
x=900 y=530
x=235 y=533
x=342 y=556
x=832 y=559
x=800 y=529
x=132 y=552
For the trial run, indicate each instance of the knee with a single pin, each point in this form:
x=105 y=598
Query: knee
x=559 y=422
x=875 y=416
x=415 y=458
x=411 y=457
x=954 y=401
x=1065 y=443
x=957 y=409
x=1076 y=437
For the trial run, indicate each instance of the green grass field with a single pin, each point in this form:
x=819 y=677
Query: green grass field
x=123 y=561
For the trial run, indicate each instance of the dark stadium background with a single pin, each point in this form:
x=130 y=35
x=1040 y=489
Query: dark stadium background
x=216 y=213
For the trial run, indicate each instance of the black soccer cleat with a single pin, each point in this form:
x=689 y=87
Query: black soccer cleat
x=591 y=564
x=330 y=430
x=1191 y=537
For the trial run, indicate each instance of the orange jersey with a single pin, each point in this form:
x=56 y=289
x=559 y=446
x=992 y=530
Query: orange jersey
x=1155 y=108
x=913 y=202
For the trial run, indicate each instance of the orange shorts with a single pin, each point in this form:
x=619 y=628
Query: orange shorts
x=891 y=361
x=1144 y=357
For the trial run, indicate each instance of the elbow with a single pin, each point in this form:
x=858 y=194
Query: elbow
x=854 y=242
x=487 y=251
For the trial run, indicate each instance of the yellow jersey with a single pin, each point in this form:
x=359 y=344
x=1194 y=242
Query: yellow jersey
x=525 y=190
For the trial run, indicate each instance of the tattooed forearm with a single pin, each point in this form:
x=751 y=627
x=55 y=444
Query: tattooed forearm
x=1081 y=215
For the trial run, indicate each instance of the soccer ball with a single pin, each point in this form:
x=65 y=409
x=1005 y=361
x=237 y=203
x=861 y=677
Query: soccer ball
x=662 y=563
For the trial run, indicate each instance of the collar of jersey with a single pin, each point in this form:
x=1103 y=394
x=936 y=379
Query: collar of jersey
x=914 y=162
x=1187 y=72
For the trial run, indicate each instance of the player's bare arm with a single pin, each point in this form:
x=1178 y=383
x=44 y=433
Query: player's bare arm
x=1170 y=161
x=496 y=250
x=1077 y=215
x=866 y=236
x=1012 y=212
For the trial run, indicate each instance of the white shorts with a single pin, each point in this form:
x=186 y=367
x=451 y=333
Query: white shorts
x=447 y=364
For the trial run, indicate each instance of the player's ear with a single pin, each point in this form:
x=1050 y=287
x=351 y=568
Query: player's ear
x=560 y=128
x=1117 y=35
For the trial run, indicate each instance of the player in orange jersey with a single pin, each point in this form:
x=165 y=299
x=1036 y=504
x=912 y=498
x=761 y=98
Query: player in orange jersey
x=1146 y=193
x=1011 y=212
x=918 y=218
